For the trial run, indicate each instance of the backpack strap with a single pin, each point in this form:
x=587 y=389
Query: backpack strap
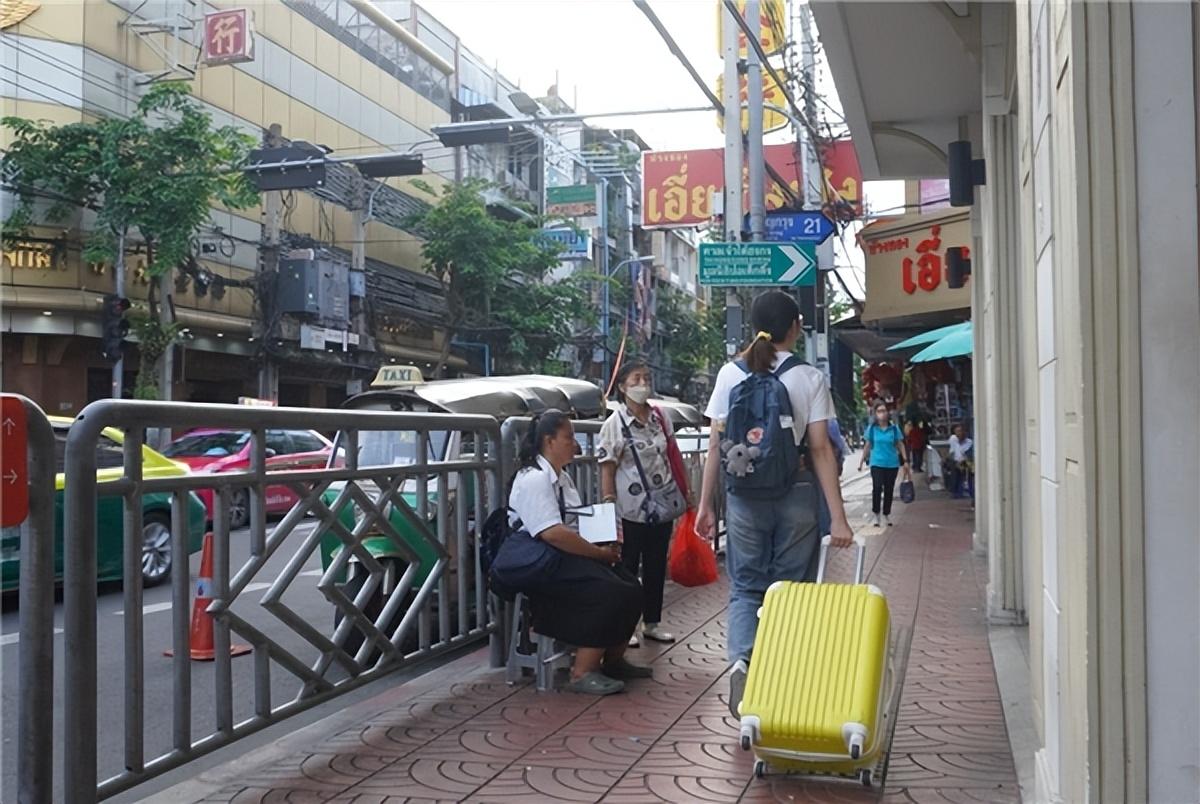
x=789 y=363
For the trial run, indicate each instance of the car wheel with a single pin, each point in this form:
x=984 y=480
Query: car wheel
x=156 y=548
x=239 y=509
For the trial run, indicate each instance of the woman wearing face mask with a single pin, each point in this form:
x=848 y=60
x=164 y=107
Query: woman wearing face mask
x=884 y=452
x=588 y=600
x=635 y=473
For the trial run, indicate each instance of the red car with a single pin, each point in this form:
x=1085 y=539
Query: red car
x=213 y=450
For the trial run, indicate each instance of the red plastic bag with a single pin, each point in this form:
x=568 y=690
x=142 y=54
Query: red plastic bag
x=692 y=561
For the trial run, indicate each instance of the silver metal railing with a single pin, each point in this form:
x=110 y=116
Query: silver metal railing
x=418 y=596
x=351 y=503
x=35 y=766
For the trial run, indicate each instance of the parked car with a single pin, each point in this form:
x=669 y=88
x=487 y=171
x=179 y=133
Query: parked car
x=210 y=450
x=110 y=515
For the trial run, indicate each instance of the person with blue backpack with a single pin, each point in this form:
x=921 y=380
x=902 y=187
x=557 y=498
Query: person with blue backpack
x=770 y=416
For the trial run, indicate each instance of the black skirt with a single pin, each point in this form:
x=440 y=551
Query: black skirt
x=587 y=604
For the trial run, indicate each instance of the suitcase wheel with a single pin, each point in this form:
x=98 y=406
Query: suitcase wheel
x=745 y=742
x=864 y=776
x=760 y=769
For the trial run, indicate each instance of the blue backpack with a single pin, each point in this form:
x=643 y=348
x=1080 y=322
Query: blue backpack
x=761 y=458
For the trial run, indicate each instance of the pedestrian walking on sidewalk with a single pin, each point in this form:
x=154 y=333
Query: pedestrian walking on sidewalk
x=884 y=452
x=635 y=473
x=769 y=411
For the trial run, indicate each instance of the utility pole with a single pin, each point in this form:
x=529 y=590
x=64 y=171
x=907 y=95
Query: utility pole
x=755 y=160
x=818 y=350
x=118 y=371
x=268 y=375
x=731 y=99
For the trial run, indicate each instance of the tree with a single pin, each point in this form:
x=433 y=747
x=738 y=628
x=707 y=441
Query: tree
x=151 y=178
x=495 y=274
x=694 y=341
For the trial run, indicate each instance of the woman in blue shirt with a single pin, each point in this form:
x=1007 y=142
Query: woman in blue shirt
x=883 y=450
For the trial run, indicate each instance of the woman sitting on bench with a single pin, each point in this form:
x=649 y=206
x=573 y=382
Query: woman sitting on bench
x=588 y=601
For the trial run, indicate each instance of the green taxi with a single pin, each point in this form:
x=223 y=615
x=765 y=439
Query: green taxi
x=156 y=515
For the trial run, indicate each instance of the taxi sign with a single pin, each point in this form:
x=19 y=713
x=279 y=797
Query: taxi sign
x=257 y=403
x=14 y=462
x=392 y=376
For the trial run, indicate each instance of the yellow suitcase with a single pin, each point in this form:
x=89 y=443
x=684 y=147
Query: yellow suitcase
x=819 y=683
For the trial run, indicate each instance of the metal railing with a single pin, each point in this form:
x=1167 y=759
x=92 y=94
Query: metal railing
x=428 y=532
x=35 y=764
x=394 y=527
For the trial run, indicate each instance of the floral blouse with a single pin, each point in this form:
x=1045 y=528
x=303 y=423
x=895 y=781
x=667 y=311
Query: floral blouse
x=636 y=503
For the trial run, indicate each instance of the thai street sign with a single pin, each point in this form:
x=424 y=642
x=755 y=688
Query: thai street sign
x=784 y=264
x=796 y=227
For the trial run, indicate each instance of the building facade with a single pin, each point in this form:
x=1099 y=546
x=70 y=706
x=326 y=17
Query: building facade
x=1086 y=302
x=336 y=73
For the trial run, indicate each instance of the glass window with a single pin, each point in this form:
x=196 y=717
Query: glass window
x=109 y=453
x=278 y=441
x=396 y=447
x=304 y=441
x=208 y=444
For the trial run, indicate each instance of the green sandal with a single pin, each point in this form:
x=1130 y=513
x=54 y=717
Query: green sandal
x=596 y=684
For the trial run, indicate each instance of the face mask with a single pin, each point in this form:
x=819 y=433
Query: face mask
x=638 y=393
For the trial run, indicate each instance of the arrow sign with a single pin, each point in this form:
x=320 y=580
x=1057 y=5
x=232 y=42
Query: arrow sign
x=797 y=227
x=783 y=264
x=14 y=463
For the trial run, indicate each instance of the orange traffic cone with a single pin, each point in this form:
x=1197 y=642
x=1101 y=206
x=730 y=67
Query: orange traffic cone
x=201 y=638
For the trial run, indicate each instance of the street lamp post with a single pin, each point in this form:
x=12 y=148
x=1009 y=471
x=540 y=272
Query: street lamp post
x=604 y=322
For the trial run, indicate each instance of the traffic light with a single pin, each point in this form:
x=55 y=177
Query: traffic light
x=114 y=327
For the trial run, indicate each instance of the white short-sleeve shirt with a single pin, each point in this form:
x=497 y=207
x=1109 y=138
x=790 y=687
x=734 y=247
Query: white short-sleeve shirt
x=807 y=390
x=534 y=498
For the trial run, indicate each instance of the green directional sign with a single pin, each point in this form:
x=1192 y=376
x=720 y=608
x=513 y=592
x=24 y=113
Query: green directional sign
x=784 y=264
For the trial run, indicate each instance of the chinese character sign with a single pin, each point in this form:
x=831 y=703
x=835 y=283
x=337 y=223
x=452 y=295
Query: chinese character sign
x=228 y=37
x=843 y=178
x=772 y=24
x=772 y=96
x=678 y=186
x=906 y=264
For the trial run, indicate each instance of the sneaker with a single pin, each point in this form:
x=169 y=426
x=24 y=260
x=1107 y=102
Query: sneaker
x=655 y=631
x=737 y=687
x=634 y=642
x=877 y=521
x=888 y=519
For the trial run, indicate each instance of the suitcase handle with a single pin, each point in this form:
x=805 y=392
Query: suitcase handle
x=861 y=549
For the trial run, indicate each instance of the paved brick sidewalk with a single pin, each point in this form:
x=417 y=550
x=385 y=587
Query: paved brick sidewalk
x=461 y=734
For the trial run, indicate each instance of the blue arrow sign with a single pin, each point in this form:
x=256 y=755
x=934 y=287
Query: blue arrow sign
x=797 y=227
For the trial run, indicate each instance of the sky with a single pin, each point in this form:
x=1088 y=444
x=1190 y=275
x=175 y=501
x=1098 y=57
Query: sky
x=606 y=56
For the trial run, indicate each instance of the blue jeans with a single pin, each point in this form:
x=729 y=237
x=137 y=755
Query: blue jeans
x=767 y=541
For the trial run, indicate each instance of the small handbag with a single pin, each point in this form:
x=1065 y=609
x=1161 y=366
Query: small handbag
x=908 y=491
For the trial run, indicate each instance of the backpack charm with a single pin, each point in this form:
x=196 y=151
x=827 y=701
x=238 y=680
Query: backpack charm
x=739 y=458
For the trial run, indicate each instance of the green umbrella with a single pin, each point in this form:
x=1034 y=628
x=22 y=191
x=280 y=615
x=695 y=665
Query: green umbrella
x=956 y=344
x=931 y=336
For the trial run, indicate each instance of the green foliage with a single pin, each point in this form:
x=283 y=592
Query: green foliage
x=152 y=178
x=154 y=338
x=495 y=274
x=157 y=173
x=693 y=341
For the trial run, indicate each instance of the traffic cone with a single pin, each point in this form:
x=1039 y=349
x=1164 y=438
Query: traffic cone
x=200 y=640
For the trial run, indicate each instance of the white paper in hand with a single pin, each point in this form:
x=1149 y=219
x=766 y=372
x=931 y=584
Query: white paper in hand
x=598 y=523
